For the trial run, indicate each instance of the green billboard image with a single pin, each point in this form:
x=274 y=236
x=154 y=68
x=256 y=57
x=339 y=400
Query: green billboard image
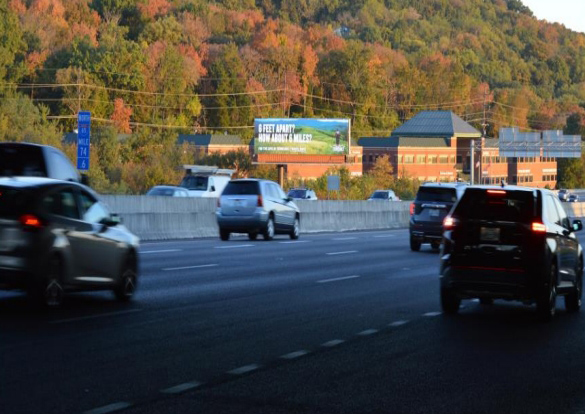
x=302 y=136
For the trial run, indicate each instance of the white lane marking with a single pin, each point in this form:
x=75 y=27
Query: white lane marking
x=368 y=332
x=296 y=354
x=101 y=315
x=295 y=242
x=431 y=314
x=337 y=279
x=475 y=300
x=344 y=238
x=110 y=408
x=333 y=343
x=336 y=253
x=161 y=251
x=245 y=369
x=398 y=323
x=385 y=236
x=234 y=247
x=189 y=267
x=177 y=389
x=406 y=268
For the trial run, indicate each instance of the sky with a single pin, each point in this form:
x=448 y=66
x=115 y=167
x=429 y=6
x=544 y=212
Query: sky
x=571 y=13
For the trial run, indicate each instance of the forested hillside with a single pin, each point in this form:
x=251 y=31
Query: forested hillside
x=156 y=68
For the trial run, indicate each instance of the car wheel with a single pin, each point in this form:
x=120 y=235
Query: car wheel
x=486 y=301
x=49 y=290
x=127 y=284
x=253 y=235
x=294 y=234
x=269 y=229
x=546 y=306
x=435 y=245
x=573 y=299
x=224 y=235
x=449 y=302
x=414 y=244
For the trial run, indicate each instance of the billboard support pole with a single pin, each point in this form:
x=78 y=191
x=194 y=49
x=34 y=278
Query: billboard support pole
x=281 y=175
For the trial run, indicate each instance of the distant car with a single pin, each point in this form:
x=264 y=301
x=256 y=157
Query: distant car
x=573 y=198
x=57 y=236
x=383 y=195
x=563 y=195
x=432 y=203
x=168 y=191
x=513 y=243
x=256 y=206
x=20 y=159
x=302 y=194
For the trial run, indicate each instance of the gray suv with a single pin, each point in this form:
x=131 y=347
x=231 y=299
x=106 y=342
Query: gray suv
x=256 y=206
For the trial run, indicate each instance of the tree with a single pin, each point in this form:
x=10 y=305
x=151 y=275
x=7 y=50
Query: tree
x=382 y=172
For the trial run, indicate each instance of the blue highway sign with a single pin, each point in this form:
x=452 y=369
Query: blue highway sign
x=83 y=128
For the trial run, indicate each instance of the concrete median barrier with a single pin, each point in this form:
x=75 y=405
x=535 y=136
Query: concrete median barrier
x=163 y=218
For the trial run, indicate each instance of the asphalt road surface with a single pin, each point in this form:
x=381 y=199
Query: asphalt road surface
x=331 y=323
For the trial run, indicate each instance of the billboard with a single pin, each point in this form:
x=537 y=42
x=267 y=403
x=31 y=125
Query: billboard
x=303 y=136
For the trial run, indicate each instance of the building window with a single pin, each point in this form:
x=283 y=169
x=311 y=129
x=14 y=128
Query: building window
x=420 y=159
x=452 y=159
x=459 y=159
x=409 y=159
x=432 y=159
x=444 y=159
x=399 y=159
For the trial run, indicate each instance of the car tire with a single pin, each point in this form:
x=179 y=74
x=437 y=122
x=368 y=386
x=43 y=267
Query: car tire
x=546 y=305
x=435 y=245
x=294 y=234
x=126 y=287
x=48 y=292
x=268 y=232
x=252 y=235
x=449 y=302
x=224 y=234
x=573 y=299
x=414 y=244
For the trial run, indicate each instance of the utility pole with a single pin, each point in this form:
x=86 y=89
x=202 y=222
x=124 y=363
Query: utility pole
x=472 y=150
x=284 y=97
x=78 y=89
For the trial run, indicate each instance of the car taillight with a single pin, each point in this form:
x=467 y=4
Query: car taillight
x=497 y=192
x=448 y=223
x=260 y=202
x=538 y=227
x=30 y=221
x=411 y=209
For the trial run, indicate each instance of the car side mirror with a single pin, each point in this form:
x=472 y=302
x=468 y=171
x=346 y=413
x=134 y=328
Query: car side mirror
x=288 y=199
x=111 y=221
x=212 y=189
x=577 y=225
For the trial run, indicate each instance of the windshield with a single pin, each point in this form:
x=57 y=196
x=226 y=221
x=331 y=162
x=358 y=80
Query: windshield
x=380 y=195
x=192 y=182
x=168 y=192
x=22 y=160
x=446 y=195
x=297 y=193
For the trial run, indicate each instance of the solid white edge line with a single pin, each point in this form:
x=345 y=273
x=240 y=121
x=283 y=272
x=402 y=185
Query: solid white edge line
x=332 y=343
x=337 y=279
x=102 y=315
x=243 y=370
x=385 y=236
x=177 y=389
x=431 y=314
x=296 y=354
x=295 y=242
x=344 y=238
x=167 y=269
x=234 y=247
x=110 y=408
x=336 y=253
x=368 y=332
x=398 y=323
x=161 y=251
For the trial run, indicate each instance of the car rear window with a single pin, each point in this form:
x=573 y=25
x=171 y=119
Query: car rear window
x=169 y=192
x=380 y=194
x=498 y=205
x=241 y=188
x=22 y=160
x=14 y=202
x=194 y=183
x=446 y=195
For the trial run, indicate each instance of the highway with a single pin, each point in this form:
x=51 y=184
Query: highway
x=331 y=323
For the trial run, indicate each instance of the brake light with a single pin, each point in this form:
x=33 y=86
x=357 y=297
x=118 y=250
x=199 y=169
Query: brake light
x=260 y=202
x=411 y=209
x=448 y=223
x=30 y=221
x=538 y=227
x=496 y=192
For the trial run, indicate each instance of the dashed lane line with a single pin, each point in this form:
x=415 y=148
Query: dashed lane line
x=168 y=269
x=161 y=251
x=110 y=408
x=295 y=242
x=398 y=323
x=338 y=253
x=294 y=355
x=332 y=343
x=431 y=314
x=337 y=279
x=177 y=389
x=237 y=246
x=244 y=370
x=368 y=332
x=384 y=236
x=344 y=238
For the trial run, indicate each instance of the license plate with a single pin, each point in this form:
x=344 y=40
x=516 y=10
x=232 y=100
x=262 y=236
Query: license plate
x=490 y=234
x=434 y=212
x=238 y=203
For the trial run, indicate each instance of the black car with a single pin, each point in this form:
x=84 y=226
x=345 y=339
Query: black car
x=57 y=236
x=512 y=243
x=432 y=203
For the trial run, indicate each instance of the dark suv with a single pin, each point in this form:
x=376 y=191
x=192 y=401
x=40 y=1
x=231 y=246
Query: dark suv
x=511 y=243
x=430 y=207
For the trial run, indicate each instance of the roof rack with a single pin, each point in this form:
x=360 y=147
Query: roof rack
x=207 y=170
